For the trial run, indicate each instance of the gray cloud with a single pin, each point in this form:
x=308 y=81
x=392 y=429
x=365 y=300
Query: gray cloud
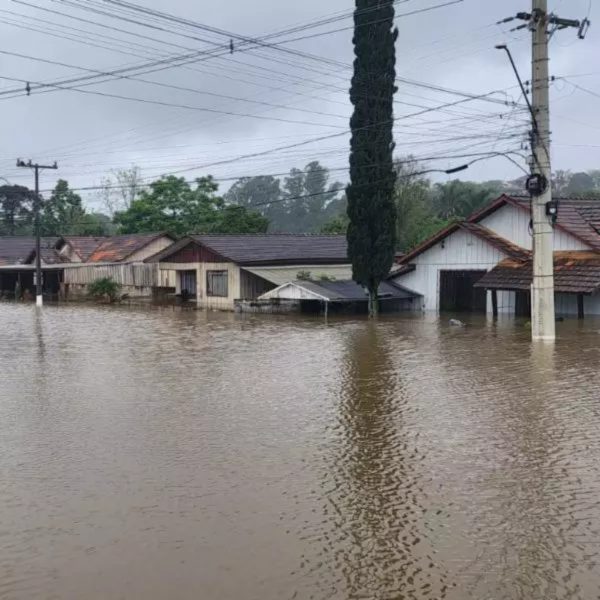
x=451 y=47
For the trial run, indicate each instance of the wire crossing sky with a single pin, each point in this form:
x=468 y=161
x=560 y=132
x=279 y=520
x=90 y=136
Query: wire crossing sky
x=198 y=88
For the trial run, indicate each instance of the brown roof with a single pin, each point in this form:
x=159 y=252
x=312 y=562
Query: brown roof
x=84 y=245
x=575 y=272
x=120 y=247
x=480 y=231
x=16 y=250
x=579 y=217
x=269 y=249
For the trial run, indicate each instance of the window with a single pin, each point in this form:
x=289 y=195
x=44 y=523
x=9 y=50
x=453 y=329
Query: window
x=217 y=283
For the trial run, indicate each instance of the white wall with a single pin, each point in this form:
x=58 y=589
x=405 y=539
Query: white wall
x=460 y=251
x=512 y=223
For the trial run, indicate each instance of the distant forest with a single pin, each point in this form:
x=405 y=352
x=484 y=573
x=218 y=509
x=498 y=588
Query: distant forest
x=308 y=200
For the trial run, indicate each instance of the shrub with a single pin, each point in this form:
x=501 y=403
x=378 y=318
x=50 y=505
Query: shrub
x=104 y=288
x=303 y=276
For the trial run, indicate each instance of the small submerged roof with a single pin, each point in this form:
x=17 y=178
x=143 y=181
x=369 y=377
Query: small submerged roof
x=338 y=291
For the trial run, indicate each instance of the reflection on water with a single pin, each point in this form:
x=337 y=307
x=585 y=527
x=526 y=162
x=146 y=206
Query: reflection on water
x=189 y=455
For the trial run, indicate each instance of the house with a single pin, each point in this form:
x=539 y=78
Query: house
x=448 y=269
x=218 y=270
x=336 y=296
x=70 y=263
x=17 y=271
x=119 y=257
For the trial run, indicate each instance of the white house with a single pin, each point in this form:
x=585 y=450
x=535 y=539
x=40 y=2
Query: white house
x=484 y=263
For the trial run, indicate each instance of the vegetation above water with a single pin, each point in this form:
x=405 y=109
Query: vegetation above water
x=104 y=289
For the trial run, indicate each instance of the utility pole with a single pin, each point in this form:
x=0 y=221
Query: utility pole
x=39 y=299
x=539 y=185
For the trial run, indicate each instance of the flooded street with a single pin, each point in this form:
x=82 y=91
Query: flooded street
x=188 y=455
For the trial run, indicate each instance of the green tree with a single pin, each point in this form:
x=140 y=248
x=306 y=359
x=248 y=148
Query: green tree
x=336 y=226
x=62 y=213
x=371 y=208
x=580 y=183
x=262 y=193
x=458 y=199
x=238 y=219
x=97 y=224
x=16 y=217
x=173 y=205
x=416 y=219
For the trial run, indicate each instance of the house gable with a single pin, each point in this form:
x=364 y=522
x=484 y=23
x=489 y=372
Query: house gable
x=511 y=221
x=190 y=251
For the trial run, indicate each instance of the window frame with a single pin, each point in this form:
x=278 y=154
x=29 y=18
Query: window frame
x=210 y=288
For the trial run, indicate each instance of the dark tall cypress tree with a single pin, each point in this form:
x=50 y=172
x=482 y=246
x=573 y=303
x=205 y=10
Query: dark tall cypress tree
x=371 y=208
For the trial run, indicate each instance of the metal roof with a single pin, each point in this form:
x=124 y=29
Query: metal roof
x=277 y=248
x=339 y=291
x=120 y=247
x=15 y=250
x=281 y=275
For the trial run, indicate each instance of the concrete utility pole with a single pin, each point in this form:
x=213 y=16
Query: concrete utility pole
x=543 y=320
x=39 y=298
x=539 y=185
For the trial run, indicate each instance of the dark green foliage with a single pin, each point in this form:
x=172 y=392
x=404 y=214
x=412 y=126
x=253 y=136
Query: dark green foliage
x=63 y=212
x=303 y=203
x=16 y=216
x=172 y=205
x=336 y=226
x=458 y=199
x=371 y=209
x=104 y=289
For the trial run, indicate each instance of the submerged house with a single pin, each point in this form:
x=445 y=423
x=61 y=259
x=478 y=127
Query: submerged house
x=337 y=296
x=119 y=257
x=219 y=270
x=17 y=271
x=483 y=264
x=70 y=263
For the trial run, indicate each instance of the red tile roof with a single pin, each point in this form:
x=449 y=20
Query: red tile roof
x=119 y=247
x=84 y=245
x=575 y=272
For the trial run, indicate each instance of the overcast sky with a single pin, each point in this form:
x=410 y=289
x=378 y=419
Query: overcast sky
x=260 y=99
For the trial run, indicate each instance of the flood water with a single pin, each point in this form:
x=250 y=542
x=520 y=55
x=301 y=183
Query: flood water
x=182 y=455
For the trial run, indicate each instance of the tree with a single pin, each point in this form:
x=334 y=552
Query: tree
x=372 y=229
x=238 y=219
x=62 y=213
x=16 y=203
x=458 y=199
x=262 y=193
x=97 y=224
x=171 y=204
x=120 y=189
x=416 y=219
x=579 y=183
x=336 y=226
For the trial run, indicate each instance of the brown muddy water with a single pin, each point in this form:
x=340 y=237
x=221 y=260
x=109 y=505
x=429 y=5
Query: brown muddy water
x=184 y=455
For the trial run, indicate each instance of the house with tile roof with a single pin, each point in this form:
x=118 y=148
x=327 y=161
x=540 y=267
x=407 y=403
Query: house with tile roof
x=484 y=263
x=216 y=271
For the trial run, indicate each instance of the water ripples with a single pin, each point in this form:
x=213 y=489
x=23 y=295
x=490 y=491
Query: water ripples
x=268 y=458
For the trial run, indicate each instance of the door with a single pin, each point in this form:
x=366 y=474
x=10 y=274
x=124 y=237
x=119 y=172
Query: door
x=188 y=284
x=522 y=304
x=458 y=294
